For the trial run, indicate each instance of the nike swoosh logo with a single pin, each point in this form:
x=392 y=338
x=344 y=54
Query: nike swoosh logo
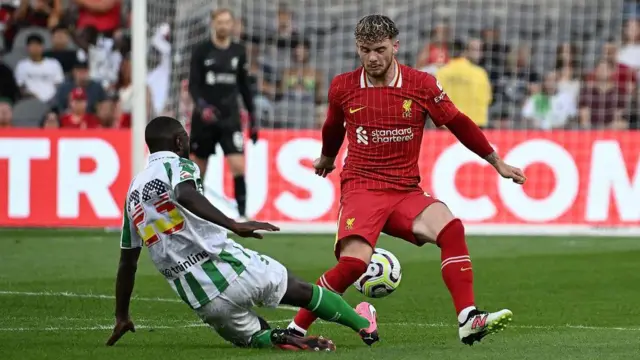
x=351 y=111
x=465 y=269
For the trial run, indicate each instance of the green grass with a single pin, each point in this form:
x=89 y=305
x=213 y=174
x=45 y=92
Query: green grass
x=573 y=298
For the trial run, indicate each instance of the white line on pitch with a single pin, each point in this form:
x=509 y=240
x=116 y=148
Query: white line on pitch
x=103 y=297
x=286 y=307
x=198 y=325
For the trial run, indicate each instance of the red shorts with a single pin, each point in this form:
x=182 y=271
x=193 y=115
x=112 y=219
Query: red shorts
x=367 y=213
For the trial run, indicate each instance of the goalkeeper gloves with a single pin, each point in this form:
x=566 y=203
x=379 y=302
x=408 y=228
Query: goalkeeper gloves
x=208 y=112
x=253 y=128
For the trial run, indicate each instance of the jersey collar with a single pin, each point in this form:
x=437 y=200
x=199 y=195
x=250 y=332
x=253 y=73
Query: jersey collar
x=159 y=155
x=395 y=82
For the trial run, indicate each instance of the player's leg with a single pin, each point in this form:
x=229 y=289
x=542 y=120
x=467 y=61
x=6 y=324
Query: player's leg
x=232 y=143
x=263 y=282
x=242 y=327
x=329 y=306
x=422 y=219
x=203 y=143
x=362 y=216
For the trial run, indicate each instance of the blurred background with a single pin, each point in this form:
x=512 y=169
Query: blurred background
x=552 y=64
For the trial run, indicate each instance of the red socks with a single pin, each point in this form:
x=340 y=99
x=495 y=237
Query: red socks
x=456 y=264
x=338 y=280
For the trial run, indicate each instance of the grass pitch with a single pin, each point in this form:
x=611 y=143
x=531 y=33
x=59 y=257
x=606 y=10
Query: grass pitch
x=573 y=298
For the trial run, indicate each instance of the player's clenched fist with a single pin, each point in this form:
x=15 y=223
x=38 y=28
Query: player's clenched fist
x=324 y=165
x=510 y=172
x=121 y=328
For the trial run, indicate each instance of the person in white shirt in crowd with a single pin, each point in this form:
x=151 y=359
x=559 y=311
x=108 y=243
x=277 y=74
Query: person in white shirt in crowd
x=550 y=108
x=159 y=78
x=37 y=75
x=104 y=58
x=629 y=53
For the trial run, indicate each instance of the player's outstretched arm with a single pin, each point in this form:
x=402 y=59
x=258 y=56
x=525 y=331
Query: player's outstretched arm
x=188 y=196
x=124 y=288
x=470 y=135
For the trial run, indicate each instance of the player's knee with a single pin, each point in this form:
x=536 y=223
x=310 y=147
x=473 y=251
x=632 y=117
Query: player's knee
x=236 y=164
x=430 y=223
x=299 y=292
x=356 y=247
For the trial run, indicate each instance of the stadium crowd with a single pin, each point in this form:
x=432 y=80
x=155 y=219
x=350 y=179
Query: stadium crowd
x=66 y=63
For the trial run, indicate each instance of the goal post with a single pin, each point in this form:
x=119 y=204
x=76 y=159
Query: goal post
x=581 y=181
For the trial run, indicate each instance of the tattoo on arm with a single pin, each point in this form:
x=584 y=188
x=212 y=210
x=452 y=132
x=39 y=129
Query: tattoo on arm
x=492 y=158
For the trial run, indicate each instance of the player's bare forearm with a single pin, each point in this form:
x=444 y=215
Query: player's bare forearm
x=493 y=158
x=125 y=281
x=188 y=196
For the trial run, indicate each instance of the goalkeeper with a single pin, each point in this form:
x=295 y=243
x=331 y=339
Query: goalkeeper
x=218 y=73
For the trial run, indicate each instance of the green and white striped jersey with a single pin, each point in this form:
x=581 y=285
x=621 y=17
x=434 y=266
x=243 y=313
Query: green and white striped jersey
x=194 y=255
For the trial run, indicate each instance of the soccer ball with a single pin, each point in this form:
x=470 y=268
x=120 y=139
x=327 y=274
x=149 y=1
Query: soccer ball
x=382 y=276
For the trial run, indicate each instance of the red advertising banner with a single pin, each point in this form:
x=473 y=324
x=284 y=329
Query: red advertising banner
x=79 y=178
x=72 y=178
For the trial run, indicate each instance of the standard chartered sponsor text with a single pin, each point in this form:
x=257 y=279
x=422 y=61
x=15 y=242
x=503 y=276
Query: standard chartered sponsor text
x=191 y=260
x=393 y=135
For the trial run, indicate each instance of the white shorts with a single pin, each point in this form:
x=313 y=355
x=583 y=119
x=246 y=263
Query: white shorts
x=263 y=283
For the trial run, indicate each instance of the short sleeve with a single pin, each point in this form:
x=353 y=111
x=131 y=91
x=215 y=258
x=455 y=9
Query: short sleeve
x=129 y=238
x=441 y=109
x=183 y=170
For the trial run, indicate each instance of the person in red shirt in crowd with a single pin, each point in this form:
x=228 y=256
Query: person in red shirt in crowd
x=42 y=13
x=622 y=76
x=78 y=117
x=104 y=15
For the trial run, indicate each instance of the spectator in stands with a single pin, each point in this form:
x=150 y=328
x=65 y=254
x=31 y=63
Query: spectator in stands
x=6 y=113
x=77 y=117
x=106 y=112
x=79 y=78
x=37 y=75
x=124 y=91
x=104 y=57
x=159 y=78
x=61 y=48
x=302 y=82
x=632 y=9
x=602 y=103
x=630 y=52
x=285 y=30
x=568 y=70
x=466 y=83
x=622 y=75
x=494 y=53
x=512 y=88
x=8 y=87
x=263 y=80
x=50 y=121
x=550 y=108
x=104 y=15
x=41 y=13
x=436 y=52
x=7 y=10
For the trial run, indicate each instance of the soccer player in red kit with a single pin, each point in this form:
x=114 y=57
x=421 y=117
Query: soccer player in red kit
x=382 y=108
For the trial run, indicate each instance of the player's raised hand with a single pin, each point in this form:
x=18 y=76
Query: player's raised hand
x=510 y=172
x=249 y=228
x=324 y=166
x=122 y=327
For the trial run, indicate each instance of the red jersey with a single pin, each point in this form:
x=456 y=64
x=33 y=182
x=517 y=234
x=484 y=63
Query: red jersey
x=87 y=121
x=383 y=125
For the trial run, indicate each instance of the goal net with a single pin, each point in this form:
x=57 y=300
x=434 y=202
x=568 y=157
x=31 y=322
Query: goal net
x=564 y=105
